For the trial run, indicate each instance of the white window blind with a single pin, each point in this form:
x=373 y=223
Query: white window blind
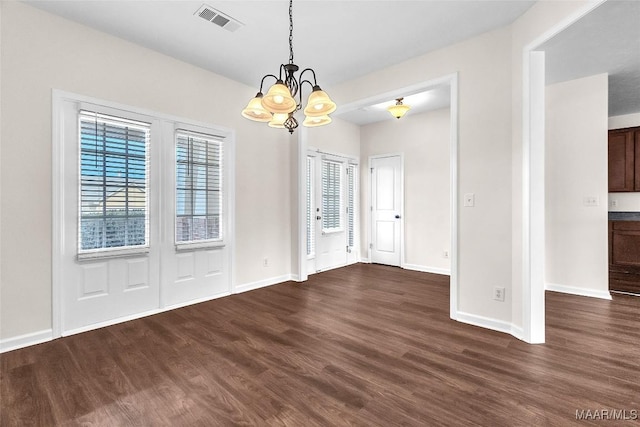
x=114 y=161
x=311 y=245
x=331 y=196
x=198 y=187
x=351 y=189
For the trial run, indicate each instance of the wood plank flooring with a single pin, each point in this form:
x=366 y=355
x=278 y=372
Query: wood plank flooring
x=364 y=345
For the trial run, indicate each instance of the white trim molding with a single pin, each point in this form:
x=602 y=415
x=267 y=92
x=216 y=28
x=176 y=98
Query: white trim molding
x=427 y=269
x=26 y=340
x=592 y=293
x=489 y=323
x=265 y=282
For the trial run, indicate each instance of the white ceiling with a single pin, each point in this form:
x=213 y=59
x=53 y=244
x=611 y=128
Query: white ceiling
x=340 y=40
x=605 y=41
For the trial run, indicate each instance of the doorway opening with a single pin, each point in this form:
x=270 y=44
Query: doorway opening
x=451 y=83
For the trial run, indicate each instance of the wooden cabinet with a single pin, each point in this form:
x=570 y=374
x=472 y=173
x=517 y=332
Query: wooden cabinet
x=624 y=256
x=624 y=160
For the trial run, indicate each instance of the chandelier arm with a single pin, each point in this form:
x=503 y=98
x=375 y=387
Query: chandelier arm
x=282 y=68
x=315 y=81
x=262 y=82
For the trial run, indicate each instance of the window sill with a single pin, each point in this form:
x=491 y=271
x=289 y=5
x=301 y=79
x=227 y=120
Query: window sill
x=112 y=253
x=192 y=246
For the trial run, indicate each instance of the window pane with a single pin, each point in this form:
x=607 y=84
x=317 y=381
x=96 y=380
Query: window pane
x=331 y=195
x=198 y=187
x=351 y=176
x=310 y=214
x=113 y=182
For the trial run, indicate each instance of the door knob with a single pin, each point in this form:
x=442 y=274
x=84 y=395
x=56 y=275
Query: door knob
x=318 y=217
x=397 y=216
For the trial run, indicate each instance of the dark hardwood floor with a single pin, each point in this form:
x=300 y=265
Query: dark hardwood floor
x=363 y=345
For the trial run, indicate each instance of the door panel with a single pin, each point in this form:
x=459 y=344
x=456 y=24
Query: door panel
x=385 y=236
x=386 y=210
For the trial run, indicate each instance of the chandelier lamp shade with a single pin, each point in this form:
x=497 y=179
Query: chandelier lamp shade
x=398 y=109
x=284 y=98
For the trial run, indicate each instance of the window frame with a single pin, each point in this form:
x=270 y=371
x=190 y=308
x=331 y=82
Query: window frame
x=221 y=241
x=341 y=190
x=137 y=120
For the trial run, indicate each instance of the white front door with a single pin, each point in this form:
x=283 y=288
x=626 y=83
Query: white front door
x=110 y=260
x=331 y=224
x=331 y=243
x=386 y=210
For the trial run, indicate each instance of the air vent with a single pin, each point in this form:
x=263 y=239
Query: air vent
x=220 y=19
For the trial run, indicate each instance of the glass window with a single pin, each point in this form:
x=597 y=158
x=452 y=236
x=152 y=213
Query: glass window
x=198 y=187
x=113 y=182
x=331 y=196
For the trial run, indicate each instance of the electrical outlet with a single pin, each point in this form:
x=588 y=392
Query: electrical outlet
x=265 y=262
x=590 y=201
x=445 y=254
x=614 y=203
x=470 y=200
x=498 y=294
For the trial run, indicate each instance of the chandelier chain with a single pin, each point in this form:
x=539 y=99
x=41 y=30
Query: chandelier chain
x=290 y=31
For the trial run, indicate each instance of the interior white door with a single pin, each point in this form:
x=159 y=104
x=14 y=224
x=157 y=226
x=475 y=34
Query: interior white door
x=386 y=210
x=104 y=192
x=331 y=241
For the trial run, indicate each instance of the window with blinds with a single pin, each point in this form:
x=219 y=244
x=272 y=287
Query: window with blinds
x=331 y=196
x=351 y=194
x=311 y=244
x=198 y=187
x=114 y=161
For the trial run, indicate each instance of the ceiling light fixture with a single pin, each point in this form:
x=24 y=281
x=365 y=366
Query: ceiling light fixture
x=279 y=105
x=398 y=109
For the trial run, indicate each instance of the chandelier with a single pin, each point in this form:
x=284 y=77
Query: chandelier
x=279 y=105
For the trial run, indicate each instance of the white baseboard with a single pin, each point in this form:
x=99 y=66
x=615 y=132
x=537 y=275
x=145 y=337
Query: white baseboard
x=26 y=340
x=263 y=283
x=365 y=260
x=195 y=301
x=593 y=293
x=427 y=269
x=517 y=332
x=488 y=323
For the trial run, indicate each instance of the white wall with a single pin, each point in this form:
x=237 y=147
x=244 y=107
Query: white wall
x=424 y=141
x=625 y=202
x=576 y=167
x=41 y=52
x=626 y=121
x=339 y=137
